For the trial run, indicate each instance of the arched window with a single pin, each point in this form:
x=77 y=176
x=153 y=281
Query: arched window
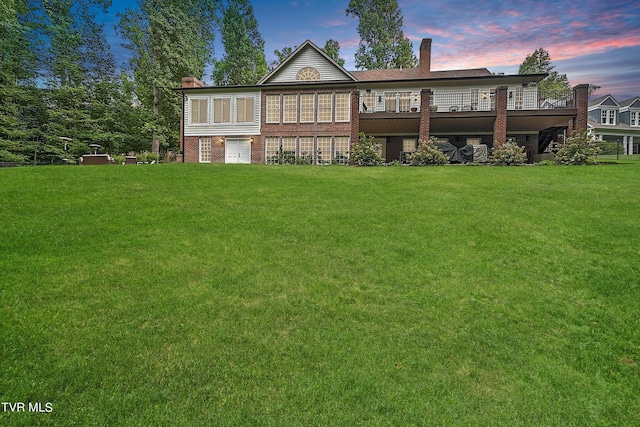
x=308 y=73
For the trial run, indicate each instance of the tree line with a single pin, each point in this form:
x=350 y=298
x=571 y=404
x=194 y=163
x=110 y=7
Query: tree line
x=61 y=89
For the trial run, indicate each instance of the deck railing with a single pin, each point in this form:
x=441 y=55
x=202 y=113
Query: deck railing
x=472 y=100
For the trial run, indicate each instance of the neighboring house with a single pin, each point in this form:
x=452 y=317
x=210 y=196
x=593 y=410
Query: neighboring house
x=613 y=121
x=310 y=109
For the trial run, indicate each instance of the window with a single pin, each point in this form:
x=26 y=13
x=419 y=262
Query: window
x=289 y=150
x=324 y=150
x=290 y=108
x=408 y=145
x=390 y=102
x=405 y=102
x=306 y=149
x=204 y=150
x=324 y=107
x=634 y=118
x=307 y=106
x=244 y=110
x=273 y=108
x=608 y=117
x=308 y=73
x=342 y=150
x=222 y=110
x=519 y=98
x=474 y=141
x=342 y=107
x=368 y=102
x=199 y=111
x=271 y=147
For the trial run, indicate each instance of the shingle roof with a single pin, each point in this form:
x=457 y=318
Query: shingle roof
x=414 y=73
x=598 y=101
x=629 y=101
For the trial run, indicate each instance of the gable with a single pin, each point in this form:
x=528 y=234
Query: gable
x=609 y=102
x=632 y=103
x=301 y=64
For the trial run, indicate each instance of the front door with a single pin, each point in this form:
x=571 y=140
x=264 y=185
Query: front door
x=238 y=151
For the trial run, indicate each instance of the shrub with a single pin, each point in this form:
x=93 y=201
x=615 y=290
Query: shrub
x=544 y=163
x=508 y=154
x=579 y=149
x=427 y=154
x=365 y=152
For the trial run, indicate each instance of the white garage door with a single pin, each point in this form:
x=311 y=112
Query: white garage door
x=238 y=151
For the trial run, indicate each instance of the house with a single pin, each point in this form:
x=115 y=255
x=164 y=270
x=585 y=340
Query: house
x=311 y=110
x=618 y=122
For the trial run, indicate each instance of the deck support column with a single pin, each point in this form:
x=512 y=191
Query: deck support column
x=425 y=114
x=500 y=124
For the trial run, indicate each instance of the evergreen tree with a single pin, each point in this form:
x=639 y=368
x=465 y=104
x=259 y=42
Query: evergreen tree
x=79 y=72
x=382 y=43
x=19 y=99
x=244 y=61
x=169 y=39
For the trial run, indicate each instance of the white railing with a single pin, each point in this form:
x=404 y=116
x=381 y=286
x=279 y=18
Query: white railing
x=472 y=100
x=389 y=101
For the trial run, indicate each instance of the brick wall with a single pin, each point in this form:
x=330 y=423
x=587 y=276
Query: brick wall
x=425 y=114
x=500 y=124
x=192 y=147
x=355 y=116
x=581 y=93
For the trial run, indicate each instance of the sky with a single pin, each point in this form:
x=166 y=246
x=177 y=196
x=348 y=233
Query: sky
x=595 y=42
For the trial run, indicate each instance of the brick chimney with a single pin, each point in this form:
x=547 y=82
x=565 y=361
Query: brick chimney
x=191 y=82
x=425 y=58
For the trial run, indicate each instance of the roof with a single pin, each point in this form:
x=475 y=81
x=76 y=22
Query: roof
x=612 y=128
x=308 y=44
x=414 y=74
x=630 y=102
x=602 y=99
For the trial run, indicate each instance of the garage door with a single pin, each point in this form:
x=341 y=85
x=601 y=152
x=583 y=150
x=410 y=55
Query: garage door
x=238 y=151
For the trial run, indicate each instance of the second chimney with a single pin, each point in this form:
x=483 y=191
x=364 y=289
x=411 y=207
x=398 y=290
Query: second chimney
x=425 y=58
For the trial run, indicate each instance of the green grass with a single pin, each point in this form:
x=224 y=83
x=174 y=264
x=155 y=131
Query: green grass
x=282 y=296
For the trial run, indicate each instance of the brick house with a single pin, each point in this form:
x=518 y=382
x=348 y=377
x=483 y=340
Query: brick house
x=310 y=109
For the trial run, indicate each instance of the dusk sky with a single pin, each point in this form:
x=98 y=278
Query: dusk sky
x=591 y=41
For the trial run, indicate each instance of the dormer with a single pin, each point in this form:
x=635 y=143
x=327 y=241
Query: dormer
x=604 y=110
x=307 y=63
x=630 y=112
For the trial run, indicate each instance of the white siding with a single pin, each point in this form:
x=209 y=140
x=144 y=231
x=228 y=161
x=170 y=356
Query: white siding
x=227 y=129
x=308 y=57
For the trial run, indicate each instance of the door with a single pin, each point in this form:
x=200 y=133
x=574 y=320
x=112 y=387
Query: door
x=238 y=151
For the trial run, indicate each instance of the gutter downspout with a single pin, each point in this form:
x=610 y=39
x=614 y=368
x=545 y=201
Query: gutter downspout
x=182 y=128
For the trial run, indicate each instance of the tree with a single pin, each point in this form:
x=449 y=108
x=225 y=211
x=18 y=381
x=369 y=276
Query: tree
x=18 y=96
x=539 y=62
x=332 y=48
x=244 y=61
x=382 y=43
x=168 y=39
x=78 y=71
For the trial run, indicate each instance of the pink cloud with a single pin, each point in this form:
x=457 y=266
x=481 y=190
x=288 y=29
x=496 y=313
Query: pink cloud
x=335 y=23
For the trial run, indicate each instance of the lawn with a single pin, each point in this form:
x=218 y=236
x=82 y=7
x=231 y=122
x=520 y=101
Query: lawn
x=295 y=295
